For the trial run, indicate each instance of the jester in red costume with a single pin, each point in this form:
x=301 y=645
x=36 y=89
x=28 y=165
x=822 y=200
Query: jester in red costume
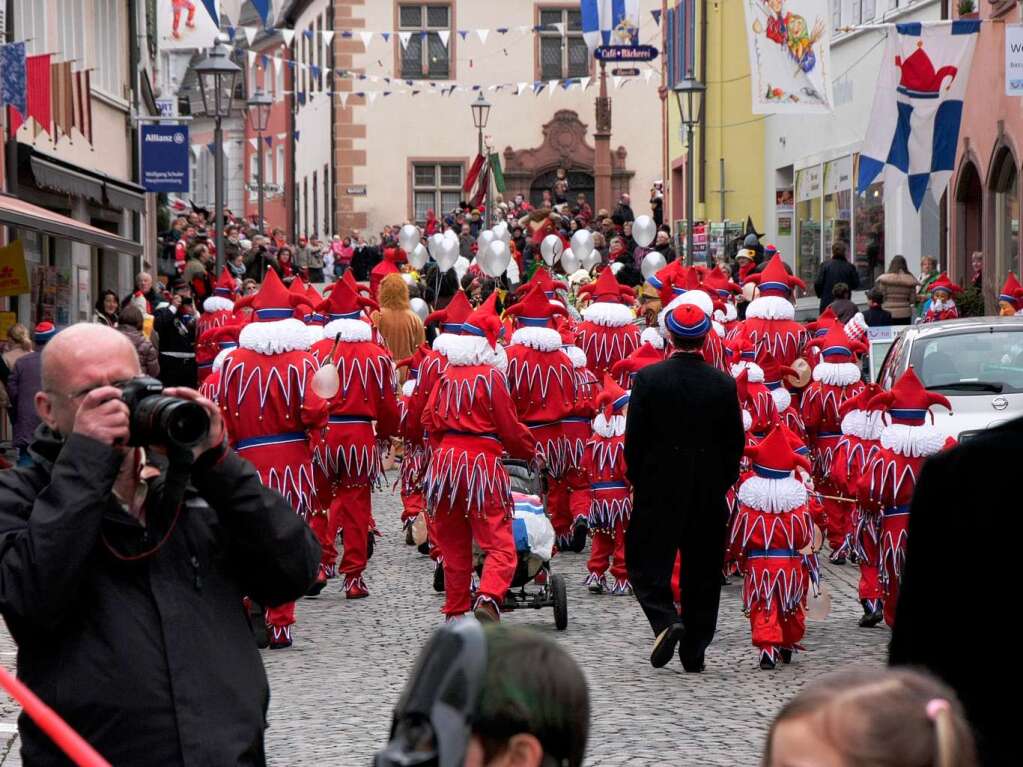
x=547 y=283
x=218 y=342
x=389 y=264
x=413 y=462
x=758 y=400
x=890 y=477
x=860 y=442
x=346 y=455
x=269 y=406
x=687 y=290
x=471 y=419
x=770 y=316
x=718 y=284
x=818 y=329
x=217 y=310
x=541 y=377
x=610 y=492
x=774 y=379
x=624 y=371
x=568 y=494
x=771 y=531
x=836 y=378
x=608 y=332
x=943 y=305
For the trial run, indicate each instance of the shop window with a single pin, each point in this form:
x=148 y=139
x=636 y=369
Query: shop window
x=869 y=226
x=1005 y=185
x=837 y=203
x=808 y=224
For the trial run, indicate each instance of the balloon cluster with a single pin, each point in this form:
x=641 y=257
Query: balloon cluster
x=492 y=253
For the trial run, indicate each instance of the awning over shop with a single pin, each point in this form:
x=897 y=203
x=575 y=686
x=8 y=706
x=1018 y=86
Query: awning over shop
x=24 y=215
x=126 y=196
x=52 y=176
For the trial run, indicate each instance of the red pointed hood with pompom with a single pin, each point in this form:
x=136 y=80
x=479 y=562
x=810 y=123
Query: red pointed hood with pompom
x=344 y=303
x=414 y=361
x=1012 y=292
x=226 y=286
x=774 y=373
x=453 y=315
x=796 y=443
x=271 y=303
x=861 y=401
x=720 y=285
x=666 y=275
x=774 y=280
x=773 y=457
x=606 y=289
x=535 y=310
x=639 y=359
x=908 y=402
x=612 y=397
x=821 y=325
x=547 y=283
x=836 y=346
x=484 y=322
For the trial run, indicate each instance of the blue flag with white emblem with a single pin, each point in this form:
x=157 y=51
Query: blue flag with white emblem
x=918 y=107
x=610 y=22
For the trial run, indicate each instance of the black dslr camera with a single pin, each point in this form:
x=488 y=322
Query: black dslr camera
x=160 y=420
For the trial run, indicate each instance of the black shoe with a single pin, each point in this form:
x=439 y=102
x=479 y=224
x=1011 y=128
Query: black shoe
x=869 y=620
x=409 y=540
x=438 y=578
x=837 y=560
x=424 y=548
x=767 y=662
x=691 y=665
x=664 y=645
x=786 y=655
x=370 y=542
x=578 y=538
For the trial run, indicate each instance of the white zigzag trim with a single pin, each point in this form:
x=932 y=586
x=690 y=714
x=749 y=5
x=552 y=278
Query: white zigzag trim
x=773 y=495
x=912 y=441
x=615 y=427
x=770 y=308
x=349 y=330
x=607 y=314
x=217 y=304
x=463 y=351
x=755 y=374
x=577 y=355
x=837 y=373
x=274 y=337
x=653 y=337
x=541 y=339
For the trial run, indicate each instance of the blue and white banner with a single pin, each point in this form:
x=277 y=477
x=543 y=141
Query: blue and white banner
x=789 y=43
x=165 y=158
x=918 y=107
x=610 y=22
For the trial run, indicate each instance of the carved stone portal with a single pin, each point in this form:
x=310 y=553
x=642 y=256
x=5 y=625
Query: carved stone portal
x=564 y=146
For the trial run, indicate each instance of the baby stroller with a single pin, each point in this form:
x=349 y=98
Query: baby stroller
x=534 y=542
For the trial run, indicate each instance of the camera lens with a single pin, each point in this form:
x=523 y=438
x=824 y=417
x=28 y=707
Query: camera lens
x=166 y=420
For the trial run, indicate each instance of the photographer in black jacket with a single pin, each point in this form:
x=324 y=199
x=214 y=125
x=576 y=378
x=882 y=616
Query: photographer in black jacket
x=122 y=572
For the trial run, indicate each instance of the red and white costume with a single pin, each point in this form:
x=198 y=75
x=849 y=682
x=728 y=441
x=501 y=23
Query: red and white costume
x=687 y=290
x=608 y=332
x=541 y=377
x=347 y=459
x=388 y=265
x=774 y=375
x=610 y=492
x=719 y=285
x=268 y=405
x=890 y=477
x=413 y=463
x=770 y=316
x=218 y=341
x=771 y=530
x=836 y=378
x=624 y=371
x=817 y=329
x=943 y=305
x=471 y=419
x=861 y=433
x=1010 y=299
x=217 y=310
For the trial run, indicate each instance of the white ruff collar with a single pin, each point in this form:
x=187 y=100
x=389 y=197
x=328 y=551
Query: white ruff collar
x=615 y=427
x=541 y=339
x=274 y=337
x=350 y=331
x=747 y=420
x=653 y=337
x=218 y=361
x=770 y=308
x=865 y=424
x=217 y=304
x=464 y=351
x=912 y=441
x=837 y=373
x=442 y=343
x=772 y=495
x=755 y=373
x=609 y=315
x=577 y=355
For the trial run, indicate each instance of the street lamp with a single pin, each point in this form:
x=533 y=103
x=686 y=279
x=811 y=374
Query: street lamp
x=217 y=76
x=259 y=105
x=480 y=115
x=689 y=94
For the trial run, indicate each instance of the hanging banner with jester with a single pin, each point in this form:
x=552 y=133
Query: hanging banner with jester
x=789 y=56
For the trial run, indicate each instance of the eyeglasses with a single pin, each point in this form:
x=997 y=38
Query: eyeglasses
x=72 y=396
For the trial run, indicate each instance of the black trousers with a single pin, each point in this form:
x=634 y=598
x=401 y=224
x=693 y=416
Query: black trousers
x=653 y=538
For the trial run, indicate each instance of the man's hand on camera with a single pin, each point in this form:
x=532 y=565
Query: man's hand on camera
x=217 y=433
x=103 y=416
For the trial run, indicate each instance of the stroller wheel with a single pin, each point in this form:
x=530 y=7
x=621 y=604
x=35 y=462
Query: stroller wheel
x=560 y=597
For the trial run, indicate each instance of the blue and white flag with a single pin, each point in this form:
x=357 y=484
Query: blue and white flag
x=918 y=107
x=610 y=22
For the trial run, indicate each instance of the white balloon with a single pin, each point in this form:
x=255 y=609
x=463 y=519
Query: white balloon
x=418 y=257
x=643 y=231
x=461 y=267
x=420 y=307
x=449 y=234
x=570 y=262
x=582 y=243
x=483 y=241
x=652 y=263
x=446 y=255
x=408 y=237
x=434 y=244
x=496 y=259
x=551 y=248
x=501 y=231
x=326 y=381
x=591 y=260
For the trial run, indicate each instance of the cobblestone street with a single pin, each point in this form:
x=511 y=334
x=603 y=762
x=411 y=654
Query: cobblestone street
x=332 y=693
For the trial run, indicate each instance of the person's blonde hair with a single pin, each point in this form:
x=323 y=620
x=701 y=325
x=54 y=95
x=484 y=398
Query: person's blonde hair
x=18 y=334
x=886 y=718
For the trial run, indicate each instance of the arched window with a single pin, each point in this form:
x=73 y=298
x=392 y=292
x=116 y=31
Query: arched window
x=968 y=197
x=1005 y=185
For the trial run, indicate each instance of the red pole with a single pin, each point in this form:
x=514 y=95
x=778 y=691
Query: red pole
x=69 y=741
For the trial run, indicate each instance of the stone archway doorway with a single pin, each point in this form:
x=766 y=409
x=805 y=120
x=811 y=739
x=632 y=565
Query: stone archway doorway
x=579 y=182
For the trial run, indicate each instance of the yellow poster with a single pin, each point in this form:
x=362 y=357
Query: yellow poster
x=13 y=274
x=7 y=319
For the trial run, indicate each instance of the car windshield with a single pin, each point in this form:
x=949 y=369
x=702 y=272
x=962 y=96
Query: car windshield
x=977 y=362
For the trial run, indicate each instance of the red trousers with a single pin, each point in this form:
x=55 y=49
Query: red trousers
x=608 y=546
x=492 y=530
x=867 y=548
x=284 y=615
x=411 y=505
x=568 y=498
x=839 y=515
x=773 y=628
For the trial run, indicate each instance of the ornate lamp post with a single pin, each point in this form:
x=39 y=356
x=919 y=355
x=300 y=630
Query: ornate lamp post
x=259 y=105
x=689 y=94
x=480 y=114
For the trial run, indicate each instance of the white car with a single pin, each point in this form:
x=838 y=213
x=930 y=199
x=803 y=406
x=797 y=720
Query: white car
x=976 y=362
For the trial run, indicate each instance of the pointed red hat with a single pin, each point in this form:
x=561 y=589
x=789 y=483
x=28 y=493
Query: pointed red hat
x=836 y=346
x=820 y=325
x=224 y=336
x=612 y=397
x=542 y=277
x=908 y=402
x=453 y=315
x=535 y=310
x=312 y=294
x=666 y=274
x=796 y=442
x=742 y=386
x=1012 y=292
x=343 y=303
x=606 y=289
x=773 y=457
x=774 y=280
x=569 y=335
x=719 y=283
x=773 y=371
x=271 y=303
x=741 y=348
x=944 y=283
x=484 y=322
x=413 y=362
x=226 y=285
x=645 y=355
x=861 y=401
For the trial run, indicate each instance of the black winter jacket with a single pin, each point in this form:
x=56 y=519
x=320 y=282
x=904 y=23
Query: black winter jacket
x=832 y=272
x=152 y=661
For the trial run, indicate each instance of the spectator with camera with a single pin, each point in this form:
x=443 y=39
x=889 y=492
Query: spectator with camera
x=126 y=551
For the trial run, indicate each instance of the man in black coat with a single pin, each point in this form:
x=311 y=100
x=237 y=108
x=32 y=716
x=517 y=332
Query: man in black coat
x=835 y=270
x=683 y=443
x=956 y=611
x=122 y=578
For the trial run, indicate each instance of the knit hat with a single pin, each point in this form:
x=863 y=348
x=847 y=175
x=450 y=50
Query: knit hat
x=836 y=346
x=945 y=284
x=225 y=286
x=271 y=303
x=908 y=402
x=536 y=310
x=774 y=280
x=44 y=331
x=606 y=289
x=484 y=322
x=612 y=397
x=343 y=303
x=687 y=321
x=453 y=315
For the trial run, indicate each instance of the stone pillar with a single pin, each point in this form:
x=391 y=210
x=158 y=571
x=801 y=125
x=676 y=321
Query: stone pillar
x=602 y=145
